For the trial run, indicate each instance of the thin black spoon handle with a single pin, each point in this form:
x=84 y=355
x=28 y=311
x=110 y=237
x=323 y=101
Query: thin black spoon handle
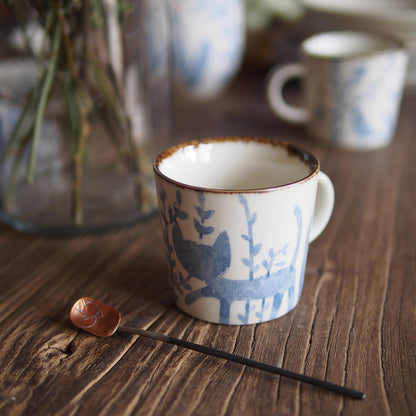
x=246 y=361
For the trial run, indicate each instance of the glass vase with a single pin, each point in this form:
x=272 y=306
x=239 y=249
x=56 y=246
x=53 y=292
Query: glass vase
x=84 y=108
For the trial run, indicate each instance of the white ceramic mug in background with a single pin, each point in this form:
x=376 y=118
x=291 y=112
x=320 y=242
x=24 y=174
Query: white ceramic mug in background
x=353 y=84
x=208 y=40
x=238 y=215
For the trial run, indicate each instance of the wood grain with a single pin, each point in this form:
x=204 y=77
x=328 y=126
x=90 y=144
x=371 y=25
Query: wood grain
x=355 y=323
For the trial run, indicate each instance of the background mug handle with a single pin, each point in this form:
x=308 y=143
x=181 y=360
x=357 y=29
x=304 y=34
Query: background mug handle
x=279 y=77
x=324 y=204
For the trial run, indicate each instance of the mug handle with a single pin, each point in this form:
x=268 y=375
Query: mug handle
x=324 y=204
x=277 y=80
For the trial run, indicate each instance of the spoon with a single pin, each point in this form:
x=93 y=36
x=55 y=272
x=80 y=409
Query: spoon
x=103 y=320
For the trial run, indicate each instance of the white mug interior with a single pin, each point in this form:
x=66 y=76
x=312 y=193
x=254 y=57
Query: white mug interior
x=348 y=44
x=236 y=164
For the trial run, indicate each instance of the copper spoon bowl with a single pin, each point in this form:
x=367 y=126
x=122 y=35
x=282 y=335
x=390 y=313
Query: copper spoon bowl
x=102 y=320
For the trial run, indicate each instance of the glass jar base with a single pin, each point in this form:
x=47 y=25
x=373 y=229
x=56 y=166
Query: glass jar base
x=28 y=227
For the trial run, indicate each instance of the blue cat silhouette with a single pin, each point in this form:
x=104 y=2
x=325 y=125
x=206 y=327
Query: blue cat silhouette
x=202 y=261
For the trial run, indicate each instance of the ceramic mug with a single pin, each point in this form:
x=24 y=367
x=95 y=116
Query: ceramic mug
x=353 y=84
x=208 y=39
x=238 y=215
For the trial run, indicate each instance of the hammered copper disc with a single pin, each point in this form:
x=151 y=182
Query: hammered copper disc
x=95 y=317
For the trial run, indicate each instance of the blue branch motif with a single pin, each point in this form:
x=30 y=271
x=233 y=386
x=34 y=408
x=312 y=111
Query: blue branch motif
x=169 y=216
x=254 y=249
x=209 y=264
x=203 y=216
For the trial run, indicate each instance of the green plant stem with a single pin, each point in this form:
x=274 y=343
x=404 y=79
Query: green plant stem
x=14 y=171
x=46 y=88
x=83 y=130
x=22 y=127
x=77 y=211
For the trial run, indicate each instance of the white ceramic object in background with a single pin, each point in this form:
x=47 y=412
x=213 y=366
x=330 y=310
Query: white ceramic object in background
x=208 y=40
x=396 y=17
x=353 y=88
x=238 y=215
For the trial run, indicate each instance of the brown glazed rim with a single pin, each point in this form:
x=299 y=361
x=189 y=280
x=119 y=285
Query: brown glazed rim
x=291 y=149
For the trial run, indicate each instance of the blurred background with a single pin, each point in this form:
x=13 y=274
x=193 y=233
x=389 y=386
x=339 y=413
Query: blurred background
x=90 y=92
x=273 y=32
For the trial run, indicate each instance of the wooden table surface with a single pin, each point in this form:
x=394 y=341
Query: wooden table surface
x=355 y=324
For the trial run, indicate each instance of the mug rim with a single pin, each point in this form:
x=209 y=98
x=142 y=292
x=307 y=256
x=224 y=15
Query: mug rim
x=305 y=156
x=396 y=45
